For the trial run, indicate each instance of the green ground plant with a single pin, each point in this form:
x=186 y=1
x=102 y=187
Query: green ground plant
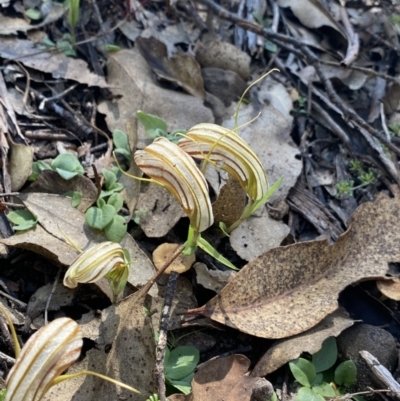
x=179 y=366
x=346 y=187
x=156 y=127
x=321 y=377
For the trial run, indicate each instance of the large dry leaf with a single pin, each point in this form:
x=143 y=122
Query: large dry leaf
x=311 y=13
x=310 y=341
x=290 y=289
x=182 y=69
x=57 y=64
x=159 y=210
x=126 y=328
x=20 y=167
x=132 y=81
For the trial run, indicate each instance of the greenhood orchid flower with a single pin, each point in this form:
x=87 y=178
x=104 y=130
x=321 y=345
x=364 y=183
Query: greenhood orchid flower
x=226 y=150
x=169 y=166
x=107 y=259
x=47 y=353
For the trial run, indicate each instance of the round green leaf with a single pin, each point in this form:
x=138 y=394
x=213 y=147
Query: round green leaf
x=22 y=219
x=116 y=230
x=109 y=177
x=303 y=371
x=346 y=373
x=153 y=125
x=99 y=218
x=116 y=201
x=326 y=357
x=67 y=162
x=120 y=139
x=306 y=394
x=181 y=362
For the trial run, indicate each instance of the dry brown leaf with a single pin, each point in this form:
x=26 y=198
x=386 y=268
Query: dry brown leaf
x=57 y=64
x=38 y=240
x=182 y=69
x=51 y=182
x=159 y=209
x=213 y=280
x=132 y=80
x=230 y=203
x=224 y=379
x=390 y=288
x=127 y=330
x=257 y=235
x=310 y=341
x=312 y=13
x=20 y=167
x=290 y=289
x=224 y=55
x=62 y=296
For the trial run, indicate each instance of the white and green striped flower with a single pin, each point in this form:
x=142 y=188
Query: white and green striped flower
x=168 y=165
x=226 y=150
x=107 y=259
x=47 y=353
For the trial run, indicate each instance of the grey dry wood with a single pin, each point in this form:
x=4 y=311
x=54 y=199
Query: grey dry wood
x=381 y=373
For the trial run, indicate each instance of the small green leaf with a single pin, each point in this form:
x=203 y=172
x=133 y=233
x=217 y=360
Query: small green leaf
x=303 y=371
x=112 y=48
x=116 y=201
x=184 y=385
x=37 y=168
x=306 y=394
x=270 y=46
x=99 y=218
x=76 y=197
x=346 y=373
x=120 y=139
x=207 y=247
x=326 y=357
x=67 y=165
x=73 y=13
x=109 y=178
x=324 y=389
x=116 y=230
x=318 y=379
x=22 y=219
x=3 y=394
x=181 y=362
x=154 y=126
x=33 y=14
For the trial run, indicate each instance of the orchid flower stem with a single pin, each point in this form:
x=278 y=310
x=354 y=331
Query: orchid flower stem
x=17 y=347
x=62 y=378
x=191 y=242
